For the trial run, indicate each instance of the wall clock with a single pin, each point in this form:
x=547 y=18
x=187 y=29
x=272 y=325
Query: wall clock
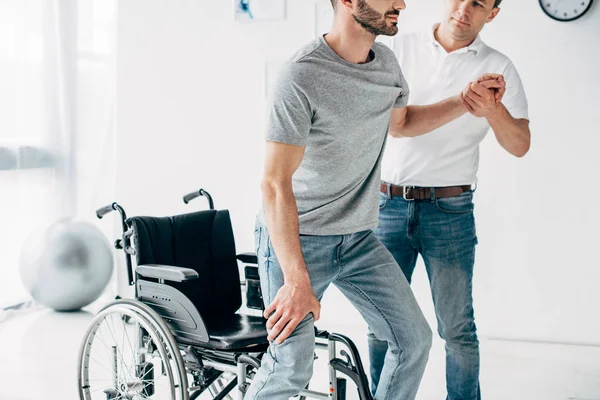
x=565 y=10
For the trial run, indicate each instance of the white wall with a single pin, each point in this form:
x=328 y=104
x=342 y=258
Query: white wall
x=540 y=237
x=191 y=114
x=538 y=267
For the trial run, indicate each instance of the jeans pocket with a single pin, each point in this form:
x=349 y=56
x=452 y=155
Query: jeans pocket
x=383 y=200
x=262 y=243
x=462 y=204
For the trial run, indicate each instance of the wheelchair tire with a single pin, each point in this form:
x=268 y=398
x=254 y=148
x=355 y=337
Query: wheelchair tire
x=123 y=350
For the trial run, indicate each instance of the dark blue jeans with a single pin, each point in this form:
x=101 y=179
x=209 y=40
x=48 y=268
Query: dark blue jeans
x=443 y=232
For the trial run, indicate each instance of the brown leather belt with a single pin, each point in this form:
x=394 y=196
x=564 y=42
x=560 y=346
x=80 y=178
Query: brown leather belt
x=422 y=193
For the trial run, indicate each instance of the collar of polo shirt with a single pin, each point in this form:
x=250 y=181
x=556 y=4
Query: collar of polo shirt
x=476 y=46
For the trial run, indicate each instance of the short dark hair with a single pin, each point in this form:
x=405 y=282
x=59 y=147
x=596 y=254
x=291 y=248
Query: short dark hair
x=334 y=3
x=496 y=3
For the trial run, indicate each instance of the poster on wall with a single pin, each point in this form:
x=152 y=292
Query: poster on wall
x=324 y=20
x=259 y=10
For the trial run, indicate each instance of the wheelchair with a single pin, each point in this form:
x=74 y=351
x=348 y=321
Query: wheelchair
x=184 y=335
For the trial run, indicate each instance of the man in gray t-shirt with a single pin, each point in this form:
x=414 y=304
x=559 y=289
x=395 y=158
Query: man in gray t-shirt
x=332 y=108
x=340 y=112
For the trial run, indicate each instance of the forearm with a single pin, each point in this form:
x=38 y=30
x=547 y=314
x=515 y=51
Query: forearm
x=282 y=221
x=512 y=134
x=420 y=120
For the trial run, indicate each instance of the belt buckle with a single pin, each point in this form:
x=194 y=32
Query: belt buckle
x=405 y=190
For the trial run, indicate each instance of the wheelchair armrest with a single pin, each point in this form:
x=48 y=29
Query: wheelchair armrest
x=166 y=272
x=249 y=258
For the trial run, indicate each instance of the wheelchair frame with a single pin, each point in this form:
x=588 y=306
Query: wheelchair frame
x=204 y=365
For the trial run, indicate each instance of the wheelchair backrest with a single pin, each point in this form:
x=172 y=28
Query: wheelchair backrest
x=202 y=241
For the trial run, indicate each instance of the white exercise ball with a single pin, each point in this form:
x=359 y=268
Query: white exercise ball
x=67 y=265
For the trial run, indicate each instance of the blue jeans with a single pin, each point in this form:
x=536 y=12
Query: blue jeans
x=443 y=232
x=366 y=273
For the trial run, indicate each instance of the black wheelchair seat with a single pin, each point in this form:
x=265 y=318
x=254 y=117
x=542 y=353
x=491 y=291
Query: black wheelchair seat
x=238 y=332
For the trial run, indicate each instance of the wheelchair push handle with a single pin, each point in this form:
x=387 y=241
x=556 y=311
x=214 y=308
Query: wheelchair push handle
x=198 y=193
x=123 y=243
x=101 y=212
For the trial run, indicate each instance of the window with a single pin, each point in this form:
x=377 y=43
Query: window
x=32 y=141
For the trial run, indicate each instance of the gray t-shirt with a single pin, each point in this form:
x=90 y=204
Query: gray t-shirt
x=340 y=112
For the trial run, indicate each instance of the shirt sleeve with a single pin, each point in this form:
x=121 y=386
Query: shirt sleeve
x=291 y=108
x=402 y=100
x=515 y=99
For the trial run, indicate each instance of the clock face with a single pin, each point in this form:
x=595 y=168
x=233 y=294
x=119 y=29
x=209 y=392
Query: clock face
x=565 y=10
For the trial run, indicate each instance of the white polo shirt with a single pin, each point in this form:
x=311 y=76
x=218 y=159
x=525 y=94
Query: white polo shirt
x=448 y=156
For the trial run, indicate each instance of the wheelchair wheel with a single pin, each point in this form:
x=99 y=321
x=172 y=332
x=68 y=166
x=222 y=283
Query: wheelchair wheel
x=131 y=360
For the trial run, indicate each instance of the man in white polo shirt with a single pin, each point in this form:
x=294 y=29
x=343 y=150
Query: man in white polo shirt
x=426 y=201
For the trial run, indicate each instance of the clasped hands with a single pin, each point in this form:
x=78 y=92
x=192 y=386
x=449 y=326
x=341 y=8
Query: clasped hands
x=483 y=97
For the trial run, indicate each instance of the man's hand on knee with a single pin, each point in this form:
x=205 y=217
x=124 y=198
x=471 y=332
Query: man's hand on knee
x=294 y=301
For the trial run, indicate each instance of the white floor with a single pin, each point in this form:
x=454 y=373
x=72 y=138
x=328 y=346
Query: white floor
x=38 y=358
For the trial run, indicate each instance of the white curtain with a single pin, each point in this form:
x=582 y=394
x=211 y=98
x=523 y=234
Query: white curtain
x=56 y=120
